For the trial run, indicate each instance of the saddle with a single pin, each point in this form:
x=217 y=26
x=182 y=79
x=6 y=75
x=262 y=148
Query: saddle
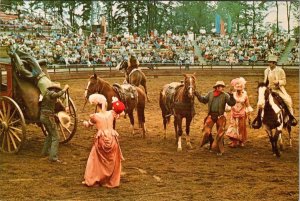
x=257 y=122
x=169 y=94
x=282 y=104
x=126 y=92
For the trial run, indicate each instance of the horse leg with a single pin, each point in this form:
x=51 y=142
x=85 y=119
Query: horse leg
x=165 y=126
x=276 y=137
x=176 y=130
x=280 y=141
x=179 y=120
x=130 y=114
x=141 y=118
x=270 y=134
x=145 y=87
x=289 y=129
x=114 y=124
x=187 y=130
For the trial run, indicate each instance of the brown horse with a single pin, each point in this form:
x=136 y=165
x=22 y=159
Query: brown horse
x=273 y=115
x=133 y=76
x=132 y=100
x=178 y=99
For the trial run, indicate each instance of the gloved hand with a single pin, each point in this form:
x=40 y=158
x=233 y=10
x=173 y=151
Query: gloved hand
x=197 y=93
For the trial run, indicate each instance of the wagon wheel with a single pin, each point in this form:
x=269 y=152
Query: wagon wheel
x=66 y=134
x=12 y=126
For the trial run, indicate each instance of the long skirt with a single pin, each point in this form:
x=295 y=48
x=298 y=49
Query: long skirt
x=104 y=163
x=237 y=130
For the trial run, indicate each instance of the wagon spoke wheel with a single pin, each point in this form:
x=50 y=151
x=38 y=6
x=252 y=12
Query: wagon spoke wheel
x=12 y=126
x=66 y=133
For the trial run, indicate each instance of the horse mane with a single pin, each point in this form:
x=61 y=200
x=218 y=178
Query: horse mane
x=261 y=84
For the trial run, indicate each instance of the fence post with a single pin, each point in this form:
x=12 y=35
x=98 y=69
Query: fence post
x=231 y=66
x=69 y=68
x=109 y=69
x=54 y=68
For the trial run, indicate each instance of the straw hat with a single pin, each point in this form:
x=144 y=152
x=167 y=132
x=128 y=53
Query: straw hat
x=64 y=119
x=273 y=58
x=219 y=83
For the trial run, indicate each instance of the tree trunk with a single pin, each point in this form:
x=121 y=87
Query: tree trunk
x=288 y=11
x=277 y=19
x=253 y=18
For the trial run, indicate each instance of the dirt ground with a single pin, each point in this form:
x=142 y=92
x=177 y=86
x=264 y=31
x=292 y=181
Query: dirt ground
x=153 y=169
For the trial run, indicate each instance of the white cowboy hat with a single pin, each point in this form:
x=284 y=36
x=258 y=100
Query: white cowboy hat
x=64 y=119
x=219 y=83
x=273 y=58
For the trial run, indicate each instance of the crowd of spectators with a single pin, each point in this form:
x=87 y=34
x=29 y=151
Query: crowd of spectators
x=237 y=49
x=78 y=48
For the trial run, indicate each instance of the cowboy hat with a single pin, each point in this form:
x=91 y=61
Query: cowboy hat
x=219 y=83
x=272 y=58
x=54 y=85
x=64 y=119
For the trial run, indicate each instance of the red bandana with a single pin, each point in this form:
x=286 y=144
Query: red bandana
x=217 y=93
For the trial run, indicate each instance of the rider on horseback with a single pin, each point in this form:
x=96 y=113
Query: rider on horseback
x=275 y=79
x=133 y=63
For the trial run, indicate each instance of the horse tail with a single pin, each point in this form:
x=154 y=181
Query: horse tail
x=141 y=114
x=164 y=111
x=140 y=107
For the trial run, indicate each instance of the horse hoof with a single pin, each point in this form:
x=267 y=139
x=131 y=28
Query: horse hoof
x=189 y=146
x=179 y=149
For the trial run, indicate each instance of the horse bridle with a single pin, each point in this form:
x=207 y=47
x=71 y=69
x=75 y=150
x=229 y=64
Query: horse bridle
x=97 y=90
x=190 y=85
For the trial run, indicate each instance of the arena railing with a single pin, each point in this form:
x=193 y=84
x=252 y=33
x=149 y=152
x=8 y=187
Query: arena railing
x=73 y=68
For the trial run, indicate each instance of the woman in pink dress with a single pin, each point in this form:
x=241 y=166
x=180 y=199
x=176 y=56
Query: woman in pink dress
x=104 y=163
x=237 y=130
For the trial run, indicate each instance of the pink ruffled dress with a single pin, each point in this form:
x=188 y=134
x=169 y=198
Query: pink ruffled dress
x=104 y=163
x=237 y=129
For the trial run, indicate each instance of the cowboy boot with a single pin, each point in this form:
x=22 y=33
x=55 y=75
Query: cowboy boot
x=292 y=120
x=205 y=139
x=256 y=124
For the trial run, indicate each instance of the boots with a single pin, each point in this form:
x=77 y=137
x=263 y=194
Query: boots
x=292 y=121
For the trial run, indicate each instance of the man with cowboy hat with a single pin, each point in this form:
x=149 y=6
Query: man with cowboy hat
x=47 y=118
x=216 y=100
x=133 y=63
x=275 y=79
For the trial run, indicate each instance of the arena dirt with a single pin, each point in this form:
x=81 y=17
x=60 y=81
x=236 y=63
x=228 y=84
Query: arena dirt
x=153 y=169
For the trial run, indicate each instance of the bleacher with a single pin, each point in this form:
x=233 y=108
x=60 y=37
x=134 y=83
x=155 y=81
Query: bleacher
x=7 y=17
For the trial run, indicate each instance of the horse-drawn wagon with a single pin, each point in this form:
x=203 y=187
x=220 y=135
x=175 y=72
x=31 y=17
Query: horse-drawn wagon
x=19 y=106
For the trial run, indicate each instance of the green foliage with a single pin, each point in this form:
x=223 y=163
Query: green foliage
x=142 y=16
